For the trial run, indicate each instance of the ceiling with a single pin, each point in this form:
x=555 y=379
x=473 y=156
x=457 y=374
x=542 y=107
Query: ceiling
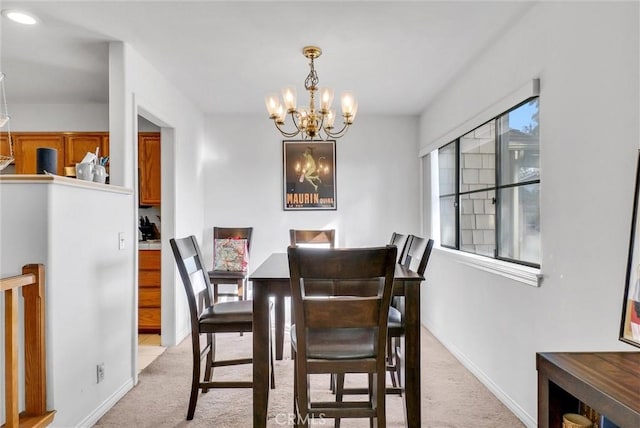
x=226 y=56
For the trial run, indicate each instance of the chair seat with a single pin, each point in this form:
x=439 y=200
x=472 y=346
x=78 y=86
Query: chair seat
x=228 y=312
x=338 y=344
x=226 y=274
x=395 y=318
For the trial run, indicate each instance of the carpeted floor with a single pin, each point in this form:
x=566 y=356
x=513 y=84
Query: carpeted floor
x=451 y=396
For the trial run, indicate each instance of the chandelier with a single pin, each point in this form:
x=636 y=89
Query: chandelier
x=311 y=122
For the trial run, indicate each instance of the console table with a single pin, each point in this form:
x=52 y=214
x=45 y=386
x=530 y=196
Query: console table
x=608 y=382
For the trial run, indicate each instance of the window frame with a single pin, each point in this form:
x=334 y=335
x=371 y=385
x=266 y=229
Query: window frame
x=496 y=188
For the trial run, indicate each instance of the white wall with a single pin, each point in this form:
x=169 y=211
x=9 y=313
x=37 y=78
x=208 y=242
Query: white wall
x=137 y=87
x=73 y=231
x=59 y=117
x=377 y=183
x=587 y=56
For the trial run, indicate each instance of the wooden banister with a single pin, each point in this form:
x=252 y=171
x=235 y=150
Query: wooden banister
x=35 y=414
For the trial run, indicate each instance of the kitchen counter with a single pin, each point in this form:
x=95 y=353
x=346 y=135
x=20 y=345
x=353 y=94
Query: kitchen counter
x=151 y=244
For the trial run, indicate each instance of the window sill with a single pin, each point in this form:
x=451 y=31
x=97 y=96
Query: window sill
x=524 y=274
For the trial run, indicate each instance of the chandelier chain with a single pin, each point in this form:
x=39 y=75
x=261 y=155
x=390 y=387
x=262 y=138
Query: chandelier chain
x=311 y=82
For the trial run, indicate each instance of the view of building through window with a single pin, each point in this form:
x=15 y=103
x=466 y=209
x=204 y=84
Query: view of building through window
x=489 y=183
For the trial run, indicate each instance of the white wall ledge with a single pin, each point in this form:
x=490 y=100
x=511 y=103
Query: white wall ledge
x=65 y=181
x=524 y=274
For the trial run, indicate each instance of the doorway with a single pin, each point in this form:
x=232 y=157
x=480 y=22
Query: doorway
x=149 y=242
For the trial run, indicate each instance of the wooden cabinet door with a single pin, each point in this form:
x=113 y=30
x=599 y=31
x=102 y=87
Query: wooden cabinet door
x=149 y=166
x=5 y=150
x=76 y=147
x=25 y=145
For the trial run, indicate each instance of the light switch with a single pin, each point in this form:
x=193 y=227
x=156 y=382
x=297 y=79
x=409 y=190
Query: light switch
x=121 y=240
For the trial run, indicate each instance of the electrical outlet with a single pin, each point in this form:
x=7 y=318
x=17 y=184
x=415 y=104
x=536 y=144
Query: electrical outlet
x=100 y=372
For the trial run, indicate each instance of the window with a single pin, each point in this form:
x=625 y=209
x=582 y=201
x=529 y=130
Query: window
x=489 y=183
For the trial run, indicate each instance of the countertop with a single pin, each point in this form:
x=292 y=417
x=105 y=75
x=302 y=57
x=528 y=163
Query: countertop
x=151 y=244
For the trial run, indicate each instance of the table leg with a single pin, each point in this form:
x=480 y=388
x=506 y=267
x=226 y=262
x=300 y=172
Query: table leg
x=412 y=355
x=260 y=354
x=279 y=315
x=543 y=400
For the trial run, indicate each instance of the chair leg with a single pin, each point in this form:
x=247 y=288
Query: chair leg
x=338 y=383
x=211 y=356
x=390 y=356
x=215 y=292
x=195 y=377
x=296 y=412
x=398 y=362
x=241 y=293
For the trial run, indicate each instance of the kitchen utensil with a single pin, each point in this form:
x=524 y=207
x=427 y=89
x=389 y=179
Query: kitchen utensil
x=84 y=171
x=100 y=174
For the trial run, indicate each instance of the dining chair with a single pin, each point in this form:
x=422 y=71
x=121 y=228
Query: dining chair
x=208 y=318
x=343 y=333
x=400 y=240
x=416 y=256
x=320 y=238
x=231 y=249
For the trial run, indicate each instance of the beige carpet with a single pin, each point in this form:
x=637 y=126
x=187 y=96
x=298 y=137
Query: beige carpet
x=451 y=396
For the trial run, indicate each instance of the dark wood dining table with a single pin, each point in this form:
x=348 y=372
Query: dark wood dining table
x=271 y=279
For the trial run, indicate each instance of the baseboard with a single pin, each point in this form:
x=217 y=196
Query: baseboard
x=520 y=413
x=106 y=405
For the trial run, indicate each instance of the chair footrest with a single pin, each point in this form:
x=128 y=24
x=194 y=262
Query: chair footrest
x=229 y=384
x=365 y=391
x=224 y=363
x=345 y=409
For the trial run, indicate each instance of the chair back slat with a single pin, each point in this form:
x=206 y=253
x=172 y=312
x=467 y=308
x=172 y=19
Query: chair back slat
x=322 y=238
x=417 y=254
x=399 y=240
x=342 y=312
x=194 y=276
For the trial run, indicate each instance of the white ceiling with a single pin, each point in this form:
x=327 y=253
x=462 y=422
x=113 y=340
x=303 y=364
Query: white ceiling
x=226 y=56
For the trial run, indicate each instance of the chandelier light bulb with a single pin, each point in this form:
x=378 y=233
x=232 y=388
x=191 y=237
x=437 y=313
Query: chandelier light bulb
x=289 y=97
x=326 y=99
x=272 y=102
x=347 y=102
x=330 y=118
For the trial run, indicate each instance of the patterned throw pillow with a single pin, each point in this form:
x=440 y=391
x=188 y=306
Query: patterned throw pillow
x=230 y=255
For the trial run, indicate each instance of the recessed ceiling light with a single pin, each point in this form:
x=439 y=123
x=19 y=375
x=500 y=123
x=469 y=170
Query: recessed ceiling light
x=20 y=16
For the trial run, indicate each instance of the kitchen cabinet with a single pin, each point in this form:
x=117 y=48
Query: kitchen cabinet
x=5 y=150
x=149 y=168
x=149 y=291
x=25 y=145
x=71 y=147
x=77 y=145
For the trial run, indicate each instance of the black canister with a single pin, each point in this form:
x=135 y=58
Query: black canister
x=46 y=160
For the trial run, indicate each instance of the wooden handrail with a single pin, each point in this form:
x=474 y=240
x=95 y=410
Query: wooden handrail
x=35 y=414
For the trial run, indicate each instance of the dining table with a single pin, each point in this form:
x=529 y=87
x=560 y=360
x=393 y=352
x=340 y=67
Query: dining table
x=271 y=279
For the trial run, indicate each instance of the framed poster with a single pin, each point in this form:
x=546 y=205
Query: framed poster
x=630 y=319
x=309 y=175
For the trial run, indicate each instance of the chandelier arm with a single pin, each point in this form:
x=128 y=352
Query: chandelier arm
x=339 y=133
x=286 y=133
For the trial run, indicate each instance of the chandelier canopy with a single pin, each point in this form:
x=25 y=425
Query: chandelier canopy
x=311 y=122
